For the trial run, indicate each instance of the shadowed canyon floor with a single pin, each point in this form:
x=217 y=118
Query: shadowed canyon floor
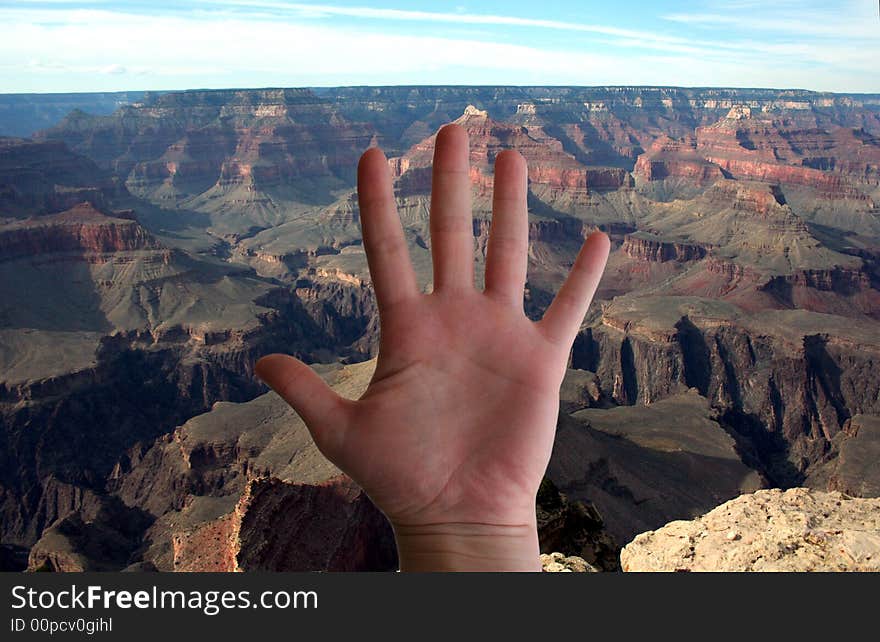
x=149 y=255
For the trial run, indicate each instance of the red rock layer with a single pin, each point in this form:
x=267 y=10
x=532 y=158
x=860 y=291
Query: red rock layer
x=549 y=164
x=644 y=248
x=792 y=150
x=840 y=291
x=80 y=229
x=668 y=158
x=837 y=279
x=279 y=526
x=796 y=150
x=754 y=198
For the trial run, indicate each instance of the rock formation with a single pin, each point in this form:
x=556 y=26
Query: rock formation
x=574 y=528
x=81 y=229
x=770 y=530
x=558 y=563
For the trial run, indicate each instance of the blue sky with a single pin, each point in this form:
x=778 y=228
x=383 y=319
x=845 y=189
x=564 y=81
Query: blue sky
x=72 y=45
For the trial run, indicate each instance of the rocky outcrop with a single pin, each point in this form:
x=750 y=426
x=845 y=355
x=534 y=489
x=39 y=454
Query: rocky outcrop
x=676 y=159
x=82 y=229
x=550 y=232
x=837 y=279
x=558 y=563
x=574 y=528
x=608 y=178
x=770 y=530
x=645 y=247
x=752 y=198
x=343 y=307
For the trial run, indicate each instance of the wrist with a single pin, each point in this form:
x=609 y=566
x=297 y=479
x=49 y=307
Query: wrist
x=460 y=546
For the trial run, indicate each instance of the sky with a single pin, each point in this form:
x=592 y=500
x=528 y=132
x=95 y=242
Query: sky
x=80 y=46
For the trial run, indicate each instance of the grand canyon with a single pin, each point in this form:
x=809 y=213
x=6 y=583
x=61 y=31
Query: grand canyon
x=154 y=245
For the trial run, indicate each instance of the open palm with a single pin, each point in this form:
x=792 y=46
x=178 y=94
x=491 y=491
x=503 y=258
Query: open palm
x=455 y=430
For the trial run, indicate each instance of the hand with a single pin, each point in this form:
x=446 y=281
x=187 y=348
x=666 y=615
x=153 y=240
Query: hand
x=453 y=435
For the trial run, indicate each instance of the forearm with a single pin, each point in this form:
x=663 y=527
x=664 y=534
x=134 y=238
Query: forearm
x=468 y=547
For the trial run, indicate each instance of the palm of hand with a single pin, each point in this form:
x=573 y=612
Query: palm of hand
x=458 y=421
x=460 y=415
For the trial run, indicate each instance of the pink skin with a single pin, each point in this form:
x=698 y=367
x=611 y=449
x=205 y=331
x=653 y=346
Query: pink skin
x=452 y=437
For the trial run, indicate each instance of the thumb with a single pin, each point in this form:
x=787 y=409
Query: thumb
x=323 y=411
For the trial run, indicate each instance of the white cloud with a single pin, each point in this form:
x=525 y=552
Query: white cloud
x=114 y=69
x=103 y=50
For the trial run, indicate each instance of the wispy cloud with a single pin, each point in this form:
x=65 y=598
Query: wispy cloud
x=801 y=20
x=456 y=17
x=818 y=27
x=629 y=38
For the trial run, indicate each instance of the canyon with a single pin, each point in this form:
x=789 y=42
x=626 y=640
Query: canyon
x=150 y=254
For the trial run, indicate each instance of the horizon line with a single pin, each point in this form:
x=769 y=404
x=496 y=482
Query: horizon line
x=441 y=85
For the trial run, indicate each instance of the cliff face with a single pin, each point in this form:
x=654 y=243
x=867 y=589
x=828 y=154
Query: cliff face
x=222 y=482
x=646 y=248
x=769 y=374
